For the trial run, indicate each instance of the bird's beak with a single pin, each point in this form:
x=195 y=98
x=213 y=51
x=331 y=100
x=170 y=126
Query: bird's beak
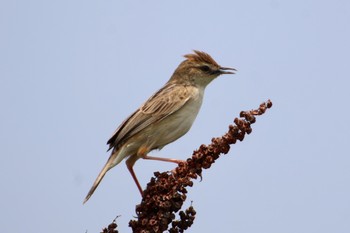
x=223 y=70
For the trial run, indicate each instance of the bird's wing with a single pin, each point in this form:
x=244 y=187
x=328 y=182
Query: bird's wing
x=163 y=103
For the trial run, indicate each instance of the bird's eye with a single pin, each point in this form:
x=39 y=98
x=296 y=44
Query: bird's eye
x=205 y=68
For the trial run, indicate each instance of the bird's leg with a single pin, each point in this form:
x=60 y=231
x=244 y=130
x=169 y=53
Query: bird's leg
x=142 y=152
x=129 y=164
x=177 y=161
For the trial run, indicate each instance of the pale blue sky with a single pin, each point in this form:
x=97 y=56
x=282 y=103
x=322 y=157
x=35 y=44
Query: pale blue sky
x=72 y=71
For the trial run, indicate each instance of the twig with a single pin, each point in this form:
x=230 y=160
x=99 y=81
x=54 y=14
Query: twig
x=166 y=192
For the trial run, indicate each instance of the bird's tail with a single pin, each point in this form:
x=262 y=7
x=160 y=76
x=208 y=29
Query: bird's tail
x=97 y=181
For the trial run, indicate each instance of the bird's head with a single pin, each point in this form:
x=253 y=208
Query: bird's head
x=200 y=69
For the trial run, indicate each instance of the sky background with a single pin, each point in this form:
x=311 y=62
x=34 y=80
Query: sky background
x=72 y=71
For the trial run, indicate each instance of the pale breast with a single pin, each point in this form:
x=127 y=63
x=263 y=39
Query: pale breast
x=167 y=130
x=178 y=123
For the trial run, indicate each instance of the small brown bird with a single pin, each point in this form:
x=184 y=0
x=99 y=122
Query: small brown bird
x=164 y=117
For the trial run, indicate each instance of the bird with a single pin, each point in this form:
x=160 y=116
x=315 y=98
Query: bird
x=166 y=116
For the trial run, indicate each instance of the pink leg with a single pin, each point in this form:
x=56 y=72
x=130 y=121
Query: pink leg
x=163 y=159
x=143 y=151
x=129 y=164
